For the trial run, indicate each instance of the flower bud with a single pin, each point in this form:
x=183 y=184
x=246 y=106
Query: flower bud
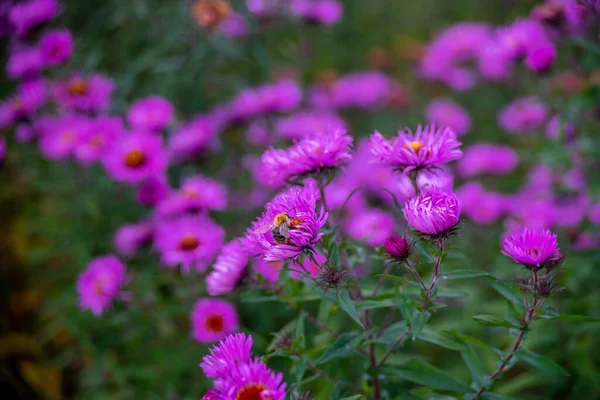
x=397 y=247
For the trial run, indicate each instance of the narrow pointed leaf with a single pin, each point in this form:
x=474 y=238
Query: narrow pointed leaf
x=348 y=306
x=427 y=375
x=543 y=363
x=344 y=346
x=464 y=274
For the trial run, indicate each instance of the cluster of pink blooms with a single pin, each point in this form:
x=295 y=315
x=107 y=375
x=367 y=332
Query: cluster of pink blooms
x=323 y=12
x=238 y=375
x=495 y=50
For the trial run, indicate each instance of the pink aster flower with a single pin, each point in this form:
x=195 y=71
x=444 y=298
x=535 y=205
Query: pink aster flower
x=2 y=148
x=299 y=205
x=432 y=213
x=370 y=225
x=136 y=156
x=213 y=320
x=225 y=357
x=445 y=112
x=308 y=267
x=229 y=269
x=264 y=8
x=487 y=158
x=531 y=247
x=365 y=89
x=27 y=15
x=91 y=94
x=428 y=147
x=441 y=178
x=281 y=96
x=56 y=47
x=259 y=133
x=234 y=27
x=29 y=97
x=269 y=270
x=189 y=241
x=129 y=238
x=193 y=138
x=593 y=213
x=100 y=283
x=150 y=113
x=479 y=205
x=313 y=154
x=24 y=62
x=253 y=381
x=523 y=116
x=153 y=190
x=59 y=136
x=95 y=141
x=305 y=123
x=197 y=194
x=326 y=12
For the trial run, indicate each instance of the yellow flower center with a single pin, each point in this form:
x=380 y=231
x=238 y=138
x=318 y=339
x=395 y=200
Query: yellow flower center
x=214 y=323
x=135 y=159
x=190 y=193
x=416 y=146
x=68 y=137
x=97 y=141
x=253 y=391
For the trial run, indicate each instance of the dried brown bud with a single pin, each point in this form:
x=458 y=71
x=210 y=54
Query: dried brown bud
x=210 y=13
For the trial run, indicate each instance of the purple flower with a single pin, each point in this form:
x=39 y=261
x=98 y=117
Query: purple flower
x=252 y=380
x=487 y=158
x=523 y=116
x=150 y=113
x=296 y=209
x=481 y=206
x=281 y=96
x=24 y=62
x=308 y=267
x=213 y=320
x=264 y=8
x=594 y=214
x=531 y=247
x=30 y=96
x=229 y=269
x=446 y=55
x=326 y=12
x=306 y=123
x=153 y=190
x=59 y=136
x=441 y=178
x=365 y=89
x=136 y=156
x=571 y=16
x=397 y=247
x=445 y=112
x=90 y=94
x=570 y=210
x=269 y=270
x=313 y=154
x=56 y=47
x=100 y=283
x=234 y=27
x=97 y=139
x=428 y=147
x=258 y=133
x=189 y=241
x=540 y=58
x=27 y=15
x=432 y=213
x=130 y=237
x=197 y=194
x=370 y=225
x=193 y=138
x=225 y=357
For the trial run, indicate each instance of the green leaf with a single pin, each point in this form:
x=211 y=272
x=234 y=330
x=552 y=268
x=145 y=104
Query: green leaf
x=474 y=364
x=348 y=306
x=344 y=346
x=543 y=363
x=391 y=277
x=509 y=292
x=333 y=254
x=419 y=320
x=470 y=339
x=464 y=274
x=575 y=318
x=427 y=375
x=431 y=336
x=300 y=367
x=492 y=320
x=299 y=334
x=391 y=334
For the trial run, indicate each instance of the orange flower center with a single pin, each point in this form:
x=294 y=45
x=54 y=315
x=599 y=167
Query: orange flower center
x=189 y=243
x=97 y=141
x=135 y=159
x=17 y=104
x=78 y=87
x=534 y=251
x=416 y=146
x=214 y=323
x=98 y=287
x=68 y=137
x=189 y=193
x=253 y=391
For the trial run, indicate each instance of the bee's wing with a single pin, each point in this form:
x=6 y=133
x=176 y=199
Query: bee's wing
x=264 y=228
x=284 y=230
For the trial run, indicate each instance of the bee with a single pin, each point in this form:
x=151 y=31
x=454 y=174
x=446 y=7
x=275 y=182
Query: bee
x=280 y=228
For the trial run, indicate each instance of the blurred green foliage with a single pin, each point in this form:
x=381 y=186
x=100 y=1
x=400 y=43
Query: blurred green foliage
x=57 y=216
